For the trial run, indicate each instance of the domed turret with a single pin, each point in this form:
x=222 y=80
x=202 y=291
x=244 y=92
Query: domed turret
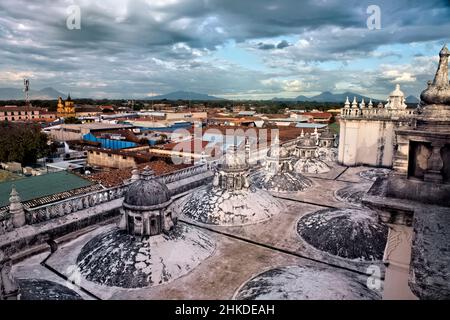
x=234 y=160
x=277 y=173
x=144 y=207
x=231 y=199
x=146 y=192
x=277 y=151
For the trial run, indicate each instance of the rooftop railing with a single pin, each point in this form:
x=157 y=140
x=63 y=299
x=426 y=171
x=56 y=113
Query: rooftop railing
x=376 y=113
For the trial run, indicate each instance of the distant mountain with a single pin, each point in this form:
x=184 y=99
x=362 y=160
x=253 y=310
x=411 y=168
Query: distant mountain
x=412 y=99
x=301 y=98
x=338 y=97
x=18 y=94
x=184 y=95
x=328 y=97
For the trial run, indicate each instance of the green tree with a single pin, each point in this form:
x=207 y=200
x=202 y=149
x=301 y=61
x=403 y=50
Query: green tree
x=72 y=120
x=22 y=143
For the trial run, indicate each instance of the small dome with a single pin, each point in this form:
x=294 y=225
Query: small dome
x=114 y=258
x=147 y=191
x=348 y=233
x=39 y=289
x=221 y=207
x=306 y=283
x=311 y=165
x=278 y=152
x=234 y=159
x=326 y=135
x=281 y=181
x=306 y=141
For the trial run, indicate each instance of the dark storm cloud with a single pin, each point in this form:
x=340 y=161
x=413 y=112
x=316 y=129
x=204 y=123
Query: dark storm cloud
x=270 y=46
x=283 y=44
x=127 y=48
x=266 y=46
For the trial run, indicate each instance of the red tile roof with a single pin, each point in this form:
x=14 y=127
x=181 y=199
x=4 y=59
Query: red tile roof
x=115 y=177
x=322 y=115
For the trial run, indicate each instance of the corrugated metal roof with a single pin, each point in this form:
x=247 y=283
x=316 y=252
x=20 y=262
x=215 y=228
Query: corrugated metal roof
x=311 y=125
x=41 y=186
x=247 y=113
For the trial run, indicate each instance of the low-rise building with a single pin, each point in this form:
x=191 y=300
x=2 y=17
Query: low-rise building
x=71 y=132
x=15 y=113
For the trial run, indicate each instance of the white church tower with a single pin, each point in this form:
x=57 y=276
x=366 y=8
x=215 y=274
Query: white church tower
x=367 y=132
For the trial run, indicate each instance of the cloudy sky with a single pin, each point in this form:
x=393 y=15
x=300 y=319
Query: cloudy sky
x=244 y=49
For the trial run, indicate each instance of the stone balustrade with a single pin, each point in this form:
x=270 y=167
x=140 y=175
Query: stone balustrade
x=376 y=113
x=183 y=173
x=70 y=205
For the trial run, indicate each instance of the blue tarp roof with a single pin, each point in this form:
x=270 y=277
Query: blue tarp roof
x=109 y=143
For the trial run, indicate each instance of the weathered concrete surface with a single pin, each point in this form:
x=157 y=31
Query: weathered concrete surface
x=354 y=174
x=218 y=277
x=323 y=192
x=335 y=171
x=32 y=268
x=353 y=193
x=430 y=257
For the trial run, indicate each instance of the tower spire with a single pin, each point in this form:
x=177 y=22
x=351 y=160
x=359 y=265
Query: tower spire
x=354 y=103
x=441 y=77
x=362 y=104
x=347 y=103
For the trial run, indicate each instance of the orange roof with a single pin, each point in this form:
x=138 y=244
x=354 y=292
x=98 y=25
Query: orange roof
x=323 y=115
x=115 y=177
x=285 y=133
x=186 y=145
x=16 y=108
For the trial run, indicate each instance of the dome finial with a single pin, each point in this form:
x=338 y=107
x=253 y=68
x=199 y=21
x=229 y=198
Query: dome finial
x=438 y=92
x=147 y=173
x=441 y=77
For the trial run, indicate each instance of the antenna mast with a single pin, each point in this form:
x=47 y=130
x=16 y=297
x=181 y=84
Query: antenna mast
x=26 y=84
